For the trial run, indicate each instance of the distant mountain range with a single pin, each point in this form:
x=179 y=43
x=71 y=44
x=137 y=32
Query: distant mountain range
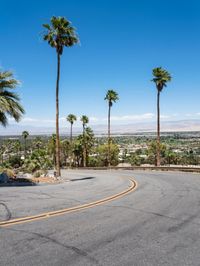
x=167 y=126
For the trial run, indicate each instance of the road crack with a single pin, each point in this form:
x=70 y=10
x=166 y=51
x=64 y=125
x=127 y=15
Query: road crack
x=75 y=249
x=8 y=212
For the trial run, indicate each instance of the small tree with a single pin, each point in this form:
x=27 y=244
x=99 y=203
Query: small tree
x=102 y=154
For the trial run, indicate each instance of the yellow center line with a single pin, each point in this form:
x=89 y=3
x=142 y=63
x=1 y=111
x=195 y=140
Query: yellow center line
x=133 y=186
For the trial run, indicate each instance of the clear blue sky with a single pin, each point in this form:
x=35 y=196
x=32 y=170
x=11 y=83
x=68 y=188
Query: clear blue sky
x=121 y=41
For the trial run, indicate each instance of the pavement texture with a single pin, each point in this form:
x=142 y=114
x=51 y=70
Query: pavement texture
x=157 y=224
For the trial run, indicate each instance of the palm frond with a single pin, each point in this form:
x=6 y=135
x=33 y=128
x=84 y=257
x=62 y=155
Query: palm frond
x=111 y=96
x=3 y=119
x=71 y=118
x=60 y=33
x=25 y=134
x=161 y=77
x=9 y=101
x=84 y=119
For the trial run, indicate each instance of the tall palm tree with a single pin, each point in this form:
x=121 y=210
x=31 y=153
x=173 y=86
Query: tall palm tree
x=71 y=119
x=111 y=96
x=59 y=34
x=85 y=120
x=25 y=135
x=9 y=101
x=161 y=77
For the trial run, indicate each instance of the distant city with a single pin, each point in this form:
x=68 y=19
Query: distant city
x=167 y=126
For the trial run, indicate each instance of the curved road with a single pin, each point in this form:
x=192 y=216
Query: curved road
x=157 y=224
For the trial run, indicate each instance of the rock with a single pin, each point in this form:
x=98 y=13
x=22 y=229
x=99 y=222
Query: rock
x=4 y=178
x=28 y=176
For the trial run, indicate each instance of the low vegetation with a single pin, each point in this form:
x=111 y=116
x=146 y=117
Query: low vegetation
x=135 y=150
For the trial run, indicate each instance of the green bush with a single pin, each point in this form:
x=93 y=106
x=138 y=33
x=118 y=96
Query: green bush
x=15 y=161
x=38 y=160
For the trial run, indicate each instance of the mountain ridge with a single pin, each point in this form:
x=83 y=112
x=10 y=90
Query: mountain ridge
x=167 y=126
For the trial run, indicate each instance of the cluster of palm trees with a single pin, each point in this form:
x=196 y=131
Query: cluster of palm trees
x=60 y=34
x=71 y=118
x=111 y=97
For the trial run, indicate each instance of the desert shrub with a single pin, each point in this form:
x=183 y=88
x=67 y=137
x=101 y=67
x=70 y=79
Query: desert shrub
x=135 y=160
x=15 y=161
x=92 y=162
x=38 y=160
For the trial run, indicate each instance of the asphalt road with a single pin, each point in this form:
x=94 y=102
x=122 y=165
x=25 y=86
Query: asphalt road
x=157 y=224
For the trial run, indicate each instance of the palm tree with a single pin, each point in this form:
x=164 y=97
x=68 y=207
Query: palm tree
x=83 y=146
x=59 y=34
x=85 y=120
x=25 y=135
x=161 y=77
x=111 y=96
x=71 y=119
x=9 y=101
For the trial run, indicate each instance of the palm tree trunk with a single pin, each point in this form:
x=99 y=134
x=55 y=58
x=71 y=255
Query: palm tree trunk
x=71 y=146
x=57 y=118
x=71 y=134
x=25 y=148
x=158 y=130
x=84 y=150
x=109 y=107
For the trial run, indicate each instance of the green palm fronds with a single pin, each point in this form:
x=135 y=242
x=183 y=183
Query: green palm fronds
x=9 y=101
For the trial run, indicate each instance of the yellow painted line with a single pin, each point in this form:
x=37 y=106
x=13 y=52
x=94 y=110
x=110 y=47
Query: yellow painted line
x=133 y=186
